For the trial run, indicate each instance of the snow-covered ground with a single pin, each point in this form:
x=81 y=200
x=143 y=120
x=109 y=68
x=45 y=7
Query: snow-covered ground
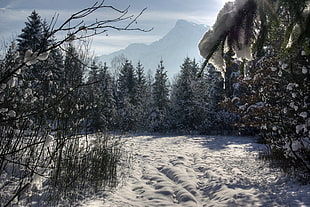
x=201 y=171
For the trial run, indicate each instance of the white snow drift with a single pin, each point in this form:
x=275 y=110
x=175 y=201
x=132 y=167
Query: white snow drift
x=201 y=171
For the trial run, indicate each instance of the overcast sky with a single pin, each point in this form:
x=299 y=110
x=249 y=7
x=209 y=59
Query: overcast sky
x=160 y=15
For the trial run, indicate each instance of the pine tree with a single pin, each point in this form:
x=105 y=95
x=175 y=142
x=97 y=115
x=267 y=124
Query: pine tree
x=127 y=97
x=32 y=35
x=184 y=97
x=73 y=68
x=127 y=83
x=100 y=100
x=73 y=102
x=215 y=89
x=187 y=100
x=218 y=118
x=143 y=97
x=93 y=95
x=160 y=100
x=107 y=101
x=141 y=80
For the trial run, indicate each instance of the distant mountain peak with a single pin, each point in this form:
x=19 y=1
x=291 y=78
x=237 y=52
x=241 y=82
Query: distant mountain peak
x=185 y=23
x=182 y=22
x=180 y=42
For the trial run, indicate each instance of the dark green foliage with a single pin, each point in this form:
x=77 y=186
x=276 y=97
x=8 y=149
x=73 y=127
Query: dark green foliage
x=160 y=100
x=32 y=34
x=185 y=99
x=127 y=83
x=127 y=98
x=144 y=97
x=101 y=102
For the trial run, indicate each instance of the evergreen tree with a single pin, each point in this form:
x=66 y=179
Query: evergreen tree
x=100 y=100
x=188 y=101
x=272 y=99
x=141 y=80
x=143 y=96
x=73 y=102
x=218 y=118
x=107 y=101
x=127 y=83
x=32 y=35
x=215 y=89
x=41 y=77
x=184 y=103
x=73 y=68
x=93 y=95
x=160 y=100
x=147 y=103
x=43 y=111
x=127 y=98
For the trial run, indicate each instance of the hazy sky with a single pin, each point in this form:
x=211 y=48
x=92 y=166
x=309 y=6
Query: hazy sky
x=160 y=15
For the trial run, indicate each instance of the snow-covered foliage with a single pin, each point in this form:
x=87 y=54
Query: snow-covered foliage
x=230 y=21
x=195 y=101
x=270 y=91
x=44 y=160
x=159 y=114
x=279 y=106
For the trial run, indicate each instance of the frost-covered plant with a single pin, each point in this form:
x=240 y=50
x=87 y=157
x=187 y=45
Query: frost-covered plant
x=277 y=102
x=88 y=164
x=42 y=113
x=243 y=26
x=275 y=80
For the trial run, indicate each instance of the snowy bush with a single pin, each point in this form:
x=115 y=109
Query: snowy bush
x=272 y=41
x=44 y=114
x=278 y=106
x=84 y=166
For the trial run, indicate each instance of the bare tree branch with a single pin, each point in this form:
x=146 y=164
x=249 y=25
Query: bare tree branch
x=77 y=31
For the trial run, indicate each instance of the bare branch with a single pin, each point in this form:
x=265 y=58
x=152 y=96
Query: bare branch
x=77 y=31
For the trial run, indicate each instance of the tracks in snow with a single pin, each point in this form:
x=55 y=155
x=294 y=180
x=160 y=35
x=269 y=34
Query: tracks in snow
x=201 y=171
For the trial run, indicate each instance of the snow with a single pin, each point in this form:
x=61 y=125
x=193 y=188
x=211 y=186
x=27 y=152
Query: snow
x=300 y=128
x=290 y=86
x=3 y=110
x=201 y=171
x=256 y=105
x=12 y=113
x=43 y=56
x=284 y=66
x=224 y=22
x=273 y=69
x=292 y=105
x=303 y=114
x=30 y=57
x=304 y=70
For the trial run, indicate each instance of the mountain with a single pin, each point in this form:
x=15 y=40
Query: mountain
x=180 y=42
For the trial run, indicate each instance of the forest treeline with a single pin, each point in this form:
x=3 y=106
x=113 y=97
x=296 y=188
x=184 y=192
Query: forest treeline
x=112 y=99
x=57 y=106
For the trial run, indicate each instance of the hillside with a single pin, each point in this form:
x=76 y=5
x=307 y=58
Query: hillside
x=180 y=42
